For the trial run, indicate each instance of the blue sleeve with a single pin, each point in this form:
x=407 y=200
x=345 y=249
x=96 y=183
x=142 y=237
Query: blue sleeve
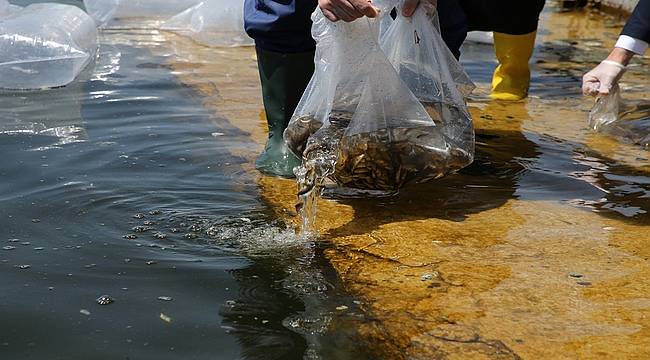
x=280 y=25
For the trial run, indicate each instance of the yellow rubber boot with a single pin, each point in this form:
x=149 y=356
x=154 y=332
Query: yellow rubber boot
x=512 y=77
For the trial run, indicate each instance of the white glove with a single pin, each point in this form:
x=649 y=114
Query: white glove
x=603 y=78
x=410 y=5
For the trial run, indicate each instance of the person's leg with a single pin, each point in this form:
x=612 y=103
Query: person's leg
x=453 y=25
x=514 y=23
x=284 y=77
x=511 y=78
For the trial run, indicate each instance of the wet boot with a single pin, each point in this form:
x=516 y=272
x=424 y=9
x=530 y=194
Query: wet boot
x=284 y=78
x=512 y=77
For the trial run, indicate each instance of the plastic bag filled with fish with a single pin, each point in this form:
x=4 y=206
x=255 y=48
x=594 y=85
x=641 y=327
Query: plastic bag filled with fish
x=212 y=23
x=358 y=122
x=44 y=45
x=417 y=51
x=105 y=11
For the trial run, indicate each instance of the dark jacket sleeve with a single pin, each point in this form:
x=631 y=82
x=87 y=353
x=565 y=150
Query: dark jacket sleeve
x=638 y=26
x=280 y=25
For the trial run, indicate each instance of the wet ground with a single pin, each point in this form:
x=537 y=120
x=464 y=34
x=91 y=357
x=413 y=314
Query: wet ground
x=137 y=182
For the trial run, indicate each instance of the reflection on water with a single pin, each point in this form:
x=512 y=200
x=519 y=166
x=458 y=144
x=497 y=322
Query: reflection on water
x=62 y=120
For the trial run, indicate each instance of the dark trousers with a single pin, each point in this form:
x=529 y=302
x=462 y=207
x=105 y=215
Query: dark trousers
x=284 y=77
x=513 y=17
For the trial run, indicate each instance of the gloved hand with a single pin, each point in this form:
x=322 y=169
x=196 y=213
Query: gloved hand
x=603 y=78
x=346 y=10
x=410 y=5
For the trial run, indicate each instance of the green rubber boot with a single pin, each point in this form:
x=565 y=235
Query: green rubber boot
x=284 y=78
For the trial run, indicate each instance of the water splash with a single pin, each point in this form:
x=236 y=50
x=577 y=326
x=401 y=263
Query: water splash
x=311 y=175
x=318 y=162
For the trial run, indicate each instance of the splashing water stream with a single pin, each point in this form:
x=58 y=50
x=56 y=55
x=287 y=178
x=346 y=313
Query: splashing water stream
x=311 y=177
x=318 y=162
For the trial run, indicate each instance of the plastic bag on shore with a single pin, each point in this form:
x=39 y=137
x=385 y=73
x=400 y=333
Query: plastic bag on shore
x=606 y=110
x=358 y=122
x=7 y=9
x=421 y=58
x=480 y=37
x=4 y=7
x=212 y=23
x=45 y=45
x=104 y=11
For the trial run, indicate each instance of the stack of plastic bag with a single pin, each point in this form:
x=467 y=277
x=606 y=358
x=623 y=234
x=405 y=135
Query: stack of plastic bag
x=44 y=45
x=105 y=11
x=212 y=23
x=360 y=122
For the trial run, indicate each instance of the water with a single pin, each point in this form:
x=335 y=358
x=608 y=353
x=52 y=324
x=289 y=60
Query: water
x=123 y=185
x=631 y=124
x=137 y=182
x=319 y=162
x=308 y=201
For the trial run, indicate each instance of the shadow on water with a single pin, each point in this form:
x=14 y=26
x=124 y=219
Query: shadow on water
x=578 y=175
x=500 y=161
x=271 y=299
x=262 y=300
x=512 y=164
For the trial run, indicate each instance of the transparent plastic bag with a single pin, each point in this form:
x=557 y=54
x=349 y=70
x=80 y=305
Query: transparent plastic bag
x=45 y=45
x=627 y=122
x=359 y=120
x=421 y=58
x=419 y=54
x=104 y=11
x=7 y=9
x=606 y=110
x=4 y=8
x=212 y=23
